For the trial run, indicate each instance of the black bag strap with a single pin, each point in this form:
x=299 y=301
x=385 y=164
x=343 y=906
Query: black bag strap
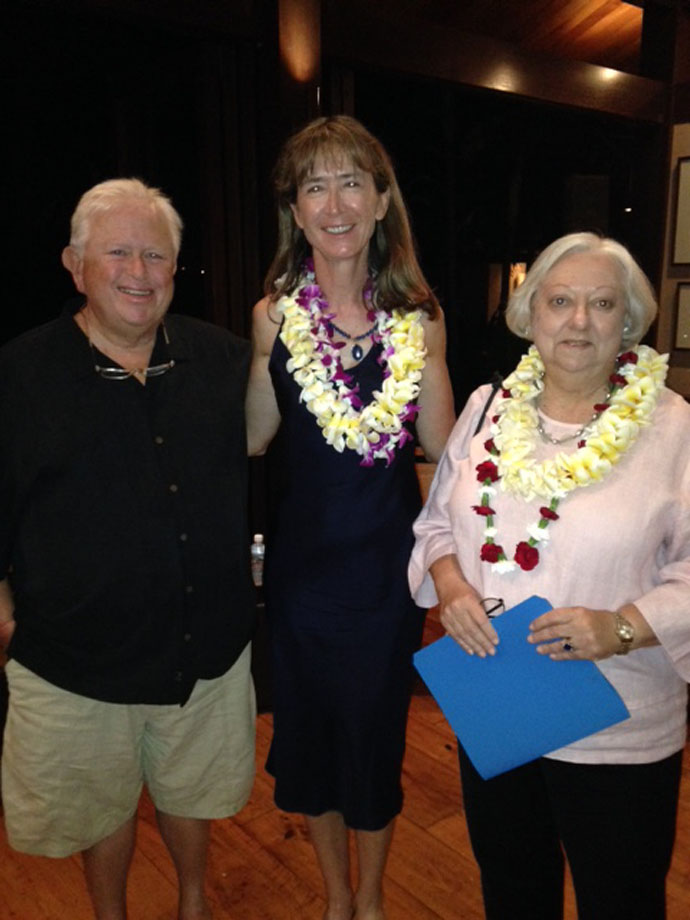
x=496 y=384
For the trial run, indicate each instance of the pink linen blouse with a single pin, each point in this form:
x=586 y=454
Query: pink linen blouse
x=623 y=540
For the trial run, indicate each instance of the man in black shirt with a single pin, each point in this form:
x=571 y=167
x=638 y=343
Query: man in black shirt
x=125 y=599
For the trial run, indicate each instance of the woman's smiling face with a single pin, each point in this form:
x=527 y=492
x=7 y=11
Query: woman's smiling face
x=337 y=208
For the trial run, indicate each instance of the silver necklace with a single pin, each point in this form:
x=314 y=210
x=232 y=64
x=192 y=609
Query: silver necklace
x=549 y=439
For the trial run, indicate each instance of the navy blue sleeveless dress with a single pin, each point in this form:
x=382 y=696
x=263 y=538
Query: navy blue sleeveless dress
x=343 y=624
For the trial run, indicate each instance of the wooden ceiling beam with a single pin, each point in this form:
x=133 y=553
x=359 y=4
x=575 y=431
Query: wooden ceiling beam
x=473 y=60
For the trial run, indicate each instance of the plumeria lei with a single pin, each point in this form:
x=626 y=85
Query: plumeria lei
x=374 y=431
x=634 y=388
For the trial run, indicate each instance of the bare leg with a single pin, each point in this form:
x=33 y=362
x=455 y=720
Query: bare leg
x=330 y=840
x=372 y=852
x=187 y=841
x=106 y=865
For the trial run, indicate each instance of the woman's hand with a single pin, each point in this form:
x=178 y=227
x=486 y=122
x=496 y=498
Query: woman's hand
x=589 y=634
x=461 y=611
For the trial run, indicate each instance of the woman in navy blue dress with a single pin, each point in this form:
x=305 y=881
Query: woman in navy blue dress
x=349 y=351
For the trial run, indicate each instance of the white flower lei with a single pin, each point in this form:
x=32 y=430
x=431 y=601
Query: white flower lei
x=374 y=431
x=636 y=384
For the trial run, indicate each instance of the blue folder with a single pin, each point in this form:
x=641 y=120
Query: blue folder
x=514 y=706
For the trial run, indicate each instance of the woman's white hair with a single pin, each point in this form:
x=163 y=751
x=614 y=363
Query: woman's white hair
x=113 y=193
x=640 y=299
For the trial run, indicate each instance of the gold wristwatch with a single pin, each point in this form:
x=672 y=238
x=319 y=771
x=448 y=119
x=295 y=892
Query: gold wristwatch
x=625 y=632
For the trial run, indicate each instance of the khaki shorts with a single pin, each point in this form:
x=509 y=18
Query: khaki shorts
x=73 y=768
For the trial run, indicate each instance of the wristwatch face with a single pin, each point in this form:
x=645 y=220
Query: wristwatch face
x=624 y=631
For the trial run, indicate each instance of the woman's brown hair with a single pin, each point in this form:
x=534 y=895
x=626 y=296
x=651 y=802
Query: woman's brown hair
x=392 y=259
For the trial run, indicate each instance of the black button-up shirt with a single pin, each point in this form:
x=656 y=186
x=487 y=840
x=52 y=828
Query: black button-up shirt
x=123 y=512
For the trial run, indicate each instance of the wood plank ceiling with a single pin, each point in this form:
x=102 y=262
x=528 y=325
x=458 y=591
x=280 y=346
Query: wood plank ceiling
x=605 y=32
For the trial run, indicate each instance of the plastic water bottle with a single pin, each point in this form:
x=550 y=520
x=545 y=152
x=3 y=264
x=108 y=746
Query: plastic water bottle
x=257 y=559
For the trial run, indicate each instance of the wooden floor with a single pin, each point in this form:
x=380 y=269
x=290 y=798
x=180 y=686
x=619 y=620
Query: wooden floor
x=262 y=866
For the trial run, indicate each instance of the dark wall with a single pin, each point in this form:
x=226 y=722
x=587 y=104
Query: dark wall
x=86 y=97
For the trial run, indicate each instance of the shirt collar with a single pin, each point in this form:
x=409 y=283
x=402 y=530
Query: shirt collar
x=80 y=354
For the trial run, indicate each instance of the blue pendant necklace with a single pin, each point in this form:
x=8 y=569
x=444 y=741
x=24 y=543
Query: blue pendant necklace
x=356 y=351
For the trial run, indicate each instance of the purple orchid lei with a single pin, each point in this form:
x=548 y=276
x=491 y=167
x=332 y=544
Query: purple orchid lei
x=329 y=392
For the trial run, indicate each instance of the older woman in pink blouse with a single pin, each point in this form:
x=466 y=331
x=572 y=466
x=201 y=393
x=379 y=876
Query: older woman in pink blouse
x=576 y=488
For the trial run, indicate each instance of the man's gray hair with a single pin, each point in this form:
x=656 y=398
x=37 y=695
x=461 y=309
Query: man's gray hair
x=113 y=193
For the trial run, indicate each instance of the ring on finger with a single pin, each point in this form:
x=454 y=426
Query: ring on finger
x=567 y=647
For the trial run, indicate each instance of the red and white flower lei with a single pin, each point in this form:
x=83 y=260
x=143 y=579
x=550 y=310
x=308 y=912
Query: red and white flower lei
x=635 y=385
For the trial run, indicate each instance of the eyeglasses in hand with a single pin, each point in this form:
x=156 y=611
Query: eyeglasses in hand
x=492 y=606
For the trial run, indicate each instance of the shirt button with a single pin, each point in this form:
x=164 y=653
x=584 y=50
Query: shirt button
x=178 y=676
x=173 y=487
x=189 y=589
x=183 y=537
x=158 y=439
x=187 y=637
